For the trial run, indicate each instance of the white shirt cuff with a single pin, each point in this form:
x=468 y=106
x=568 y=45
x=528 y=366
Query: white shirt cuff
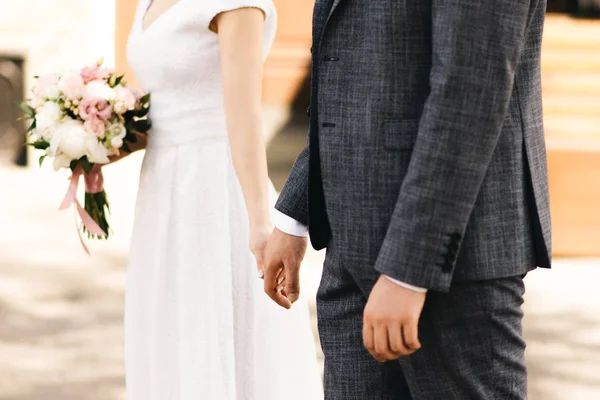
x=407 y=286
x=289 y=225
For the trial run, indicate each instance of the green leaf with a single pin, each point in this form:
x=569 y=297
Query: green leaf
x=142 y=125
x=85 y=164
x=119 y=80
x=29 y=111
x=141 y=113
x=145 y=99
x=40 y=145
x=112 y=80
x=131 y=137
x=41 y=160
x=31 y=127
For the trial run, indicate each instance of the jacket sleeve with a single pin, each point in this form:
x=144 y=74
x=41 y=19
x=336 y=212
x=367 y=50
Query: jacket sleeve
x=476 y=46
x=293 y=200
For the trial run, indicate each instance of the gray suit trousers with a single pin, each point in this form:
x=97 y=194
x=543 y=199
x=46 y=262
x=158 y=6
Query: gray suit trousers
x=472 y=346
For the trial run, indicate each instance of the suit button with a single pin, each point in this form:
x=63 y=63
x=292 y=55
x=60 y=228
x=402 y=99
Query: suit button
x=331 y=59
x=308 y=111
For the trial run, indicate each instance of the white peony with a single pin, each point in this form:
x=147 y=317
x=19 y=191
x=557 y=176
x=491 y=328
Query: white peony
x=46 y=134
x=70 y=138
x=48 y=115
x=100 y=89
x=96 y=152
x=51 y=92
x=72 y=86
x=126 y=100
x=61 y=161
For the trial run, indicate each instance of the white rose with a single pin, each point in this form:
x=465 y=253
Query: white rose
x=51 y=92
x=96 y=152
x=61 y=161
x=117 y=130
x=100 y=89
x=72 y=86
x=48 y=115
x=70 y=138
x=116 y=142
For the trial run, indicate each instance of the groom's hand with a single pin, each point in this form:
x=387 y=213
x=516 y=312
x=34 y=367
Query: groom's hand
x=391 y=320
x=283 y=255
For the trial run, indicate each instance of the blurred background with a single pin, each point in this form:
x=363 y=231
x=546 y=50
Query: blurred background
x=61 y=311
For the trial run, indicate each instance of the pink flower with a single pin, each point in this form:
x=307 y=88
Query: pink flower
x=94 y=126
x=94 y=108
x=94 y=72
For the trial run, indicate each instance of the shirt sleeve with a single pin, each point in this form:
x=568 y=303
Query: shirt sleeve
x=289 y=225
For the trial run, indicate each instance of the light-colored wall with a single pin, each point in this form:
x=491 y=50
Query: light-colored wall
x=124 y=14
x=289 y=61
x=54 y=35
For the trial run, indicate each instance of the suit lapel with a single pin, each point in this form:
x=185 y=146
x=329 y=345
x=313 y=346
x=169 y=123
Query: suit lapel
x=322 y=13
x=333 y=7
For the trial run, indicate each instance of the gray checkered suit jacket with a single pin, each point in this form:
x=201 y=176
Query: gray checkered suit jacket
x=426 y=157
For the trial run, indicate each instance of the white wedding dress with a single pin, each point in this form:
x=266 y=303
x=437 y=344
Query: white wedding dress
x=198 y=325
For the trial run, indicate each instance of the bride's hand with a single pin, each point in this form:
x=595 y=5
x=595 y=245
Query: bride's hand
x=259 y=236
x=141 y=144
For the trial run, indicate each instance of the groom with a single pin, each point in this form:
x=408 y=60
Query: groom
x=425 y=178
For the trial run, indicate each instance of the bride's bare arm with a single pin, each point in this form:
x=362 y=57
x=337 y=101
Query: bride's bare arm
x=241 y=51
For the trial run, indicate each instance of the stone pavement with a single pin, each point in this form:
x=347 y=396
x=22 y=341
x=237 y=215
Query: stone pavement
x=61 y=311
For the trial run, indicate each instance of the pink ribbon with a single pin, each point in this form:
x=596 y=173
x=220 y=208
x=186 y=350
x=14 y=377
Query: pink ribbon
x=93 y=184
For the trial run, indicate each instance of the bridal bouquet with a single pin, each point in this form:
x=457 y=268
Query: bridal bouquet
x=79 y=120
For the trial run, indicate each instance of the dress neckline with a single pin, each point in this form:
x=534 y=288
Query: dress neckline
x=145 y=13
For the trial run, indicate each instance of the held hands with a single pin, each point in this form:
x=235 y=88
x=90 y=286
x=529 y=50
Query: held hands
x=283 y=255
x=391 y=319
x=259 y=237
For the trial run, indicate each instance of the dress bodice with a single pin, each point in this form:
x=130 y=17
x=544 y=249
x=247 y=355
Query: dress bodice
x=176 y=59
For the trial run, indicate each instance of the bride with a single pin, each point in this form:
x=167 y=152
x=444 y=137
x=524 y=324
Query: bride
x=198 y=325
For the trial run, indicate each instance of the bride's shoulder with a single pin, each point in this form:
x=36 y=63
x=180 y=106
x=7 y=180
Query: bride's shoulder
x=215 y=7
